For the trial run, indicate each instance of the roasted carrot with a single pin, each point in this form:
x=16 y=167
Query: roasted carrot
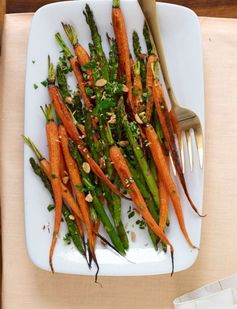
x=123 y=47
x=63 y=171
x=167 y=128
x=54 y=159
x=149 y=82
x=82 y=55
x=67 y=197
x=76 y=70
x=80 y=80
x=71 y=128
x=164 y=173
x=76 y=181
x=128 y=182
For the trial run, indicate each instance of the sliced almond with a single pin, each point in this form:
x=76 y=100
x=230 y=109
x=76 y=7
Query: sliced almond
x=65 y=173
x=123 y=143
x=65 y=179
x=101 y=82
x=89 y=198
x=125 y=88
x=71 y=217
x=86 y=167
x=138 y=119
x=69 y=100
x=112 y=119
x=133 y=236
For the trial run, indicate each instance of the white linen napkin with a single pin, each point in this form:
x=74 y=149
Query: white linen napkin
x=221 y=294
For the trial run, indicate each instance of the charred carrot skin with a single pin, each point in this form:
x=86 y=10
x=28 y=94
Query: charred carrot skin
x=164 y=173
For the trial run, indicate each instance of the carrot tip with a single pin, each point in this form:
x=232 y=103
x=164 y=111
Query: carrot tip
x=51 y=265
x=200 y=215
x=172 y=263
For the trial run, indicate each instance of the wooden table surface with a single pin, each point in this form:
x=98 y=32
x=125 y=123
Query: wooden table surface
x=218 y=8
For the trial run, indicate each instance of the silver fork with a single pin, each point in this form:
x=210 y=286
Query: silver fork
x=186 y=118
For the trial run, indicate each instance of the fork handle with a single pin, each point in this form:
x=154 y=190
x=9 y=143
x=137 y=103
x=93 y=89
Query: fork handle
x=149 y=10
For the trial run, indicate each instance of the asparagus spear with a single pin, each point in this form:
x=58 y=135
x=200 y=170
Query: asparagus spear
x=113 y=59
x=71 y=225
x=62 y=82
x=148 y=199
x=96 y=38
x=147 y=37
x=138 y=54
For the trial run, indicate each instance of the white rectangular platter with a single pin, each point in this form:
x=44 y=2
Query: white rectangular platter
x=182 y=42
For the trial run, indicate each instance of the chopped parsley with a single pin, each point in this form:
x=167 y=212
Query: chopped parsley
x=36 y=86
x=50 y=207
x=44 y=83
x=131 y=214
x=141 y=223
x=65 y=66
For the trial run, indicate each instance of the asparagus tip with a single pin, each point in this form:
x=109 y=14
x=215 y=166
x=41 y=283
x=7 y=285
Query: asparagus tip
x=155 y=68
x=136 y=67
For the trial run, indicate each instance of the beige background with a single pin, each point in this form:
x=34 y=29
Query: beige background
x=25 y=286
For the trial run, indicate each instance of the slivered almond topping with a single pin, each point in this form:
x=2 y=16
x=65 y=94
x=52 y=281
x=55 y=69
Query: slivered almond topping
x=65 y=179
x=123 y=143
x=89 y=198
x=133 y=236
x=69 y=100
x=112 y=119
x=86 y=167
x=101 y=82
x=138 y=119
